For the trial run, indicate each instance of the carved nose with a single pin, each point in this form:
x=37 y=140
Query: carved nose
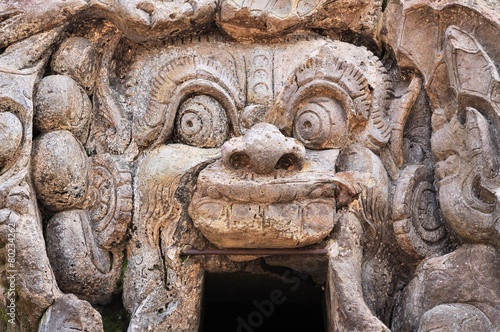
x=263 y=150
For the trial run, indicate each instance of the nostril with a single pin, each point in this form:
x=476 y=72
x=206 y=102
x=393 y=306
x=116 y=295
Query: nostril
x=288 y=162
x=240 y=160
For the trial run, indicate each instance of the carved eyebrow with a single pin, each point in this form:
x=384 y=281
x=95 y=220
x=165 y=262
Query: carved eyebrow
x=324 y=76
x=364 y=94
x=177 y=80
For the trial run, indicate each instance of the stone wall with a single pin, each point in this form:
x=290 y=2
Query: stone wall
x=146 y=143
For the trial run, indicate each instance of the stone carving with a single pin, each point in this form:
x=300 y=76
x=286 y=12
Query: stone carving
x=262 y=189
x=135 y=131
x=12 y=134
x=61 y=104
x=276 y=18
x=445 y=293
x=91 y=197
x=81 y=316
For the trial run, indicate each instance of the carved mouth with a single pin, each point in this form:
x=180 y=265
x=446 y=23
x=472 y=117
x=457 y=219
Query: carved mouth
x=280 y=210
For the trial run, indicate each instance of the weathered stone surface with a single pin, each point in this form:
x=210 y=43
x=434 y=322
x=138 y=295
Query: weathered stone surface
x=464 y=143
x=132 y=131
x=455 y=317
x=263 y=150
x=145 y=20
x=11 y=134
x=110 y=199
x=449 y=285
x=81 y=268
x=68 y=313
x=20 y=22
x=160 y=211
x=60 y=173
x=202 y=121
x=267 y=190
x=269 y=19
x=34 y=286
x=417 y=223
x=415 y=28
x=77 y=57
x=61 y=104
x=257 y=197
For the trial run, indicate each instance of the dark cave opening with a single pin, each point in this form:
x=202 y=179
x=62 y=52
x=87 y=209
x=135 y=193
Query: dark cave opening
x=245 y=302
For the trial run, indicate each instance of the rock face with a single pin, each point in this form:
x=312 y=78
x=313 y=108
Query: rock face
x=133 y=132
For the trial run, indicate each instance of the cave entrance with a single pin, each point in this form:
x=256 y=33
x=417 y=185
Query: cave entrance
x=245 y=302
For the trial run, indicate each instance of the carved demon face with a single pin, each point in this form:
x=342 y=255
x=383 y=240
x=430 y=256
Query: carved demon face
x=253 y=146
x=269 y=123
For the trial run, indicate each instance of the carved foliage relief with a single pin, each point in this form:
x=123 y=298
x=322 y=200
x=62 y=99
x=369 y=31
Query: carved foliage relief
x=136 y=133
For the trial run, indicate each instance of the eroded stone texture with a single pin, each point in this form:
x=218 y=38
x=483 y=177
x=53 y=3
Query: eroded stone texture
x=61 y=104
x=83 y=268
x=131 y=131
x=145 y=20
x=452 y=280
x=59 y=170
x=459 y=290
x=11 y=135
x=266 y=190
x=77 y=57
x=34 y=288
x=236 y=204
x=268 y=19
x=81 y=317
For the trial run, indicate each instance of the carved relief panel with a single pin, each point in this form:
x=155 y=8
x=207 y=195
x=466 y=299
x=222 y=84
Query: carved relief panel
x=135 y=134
x=276 y=147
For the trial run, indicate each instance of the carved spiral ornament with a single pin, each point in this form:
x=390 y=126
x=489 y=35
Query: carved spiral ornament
x=476 y=194
x=418 y=226
x=202 y=121
x=345 y=151
x=358 y=102
x=321 y=123
x=172 y=92
x=425 y=215
x=111 y=200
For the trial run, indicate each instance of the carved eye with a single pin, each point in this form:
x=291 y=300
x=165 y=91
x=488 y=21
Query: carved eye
x=320 y=123
x=202 y=121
